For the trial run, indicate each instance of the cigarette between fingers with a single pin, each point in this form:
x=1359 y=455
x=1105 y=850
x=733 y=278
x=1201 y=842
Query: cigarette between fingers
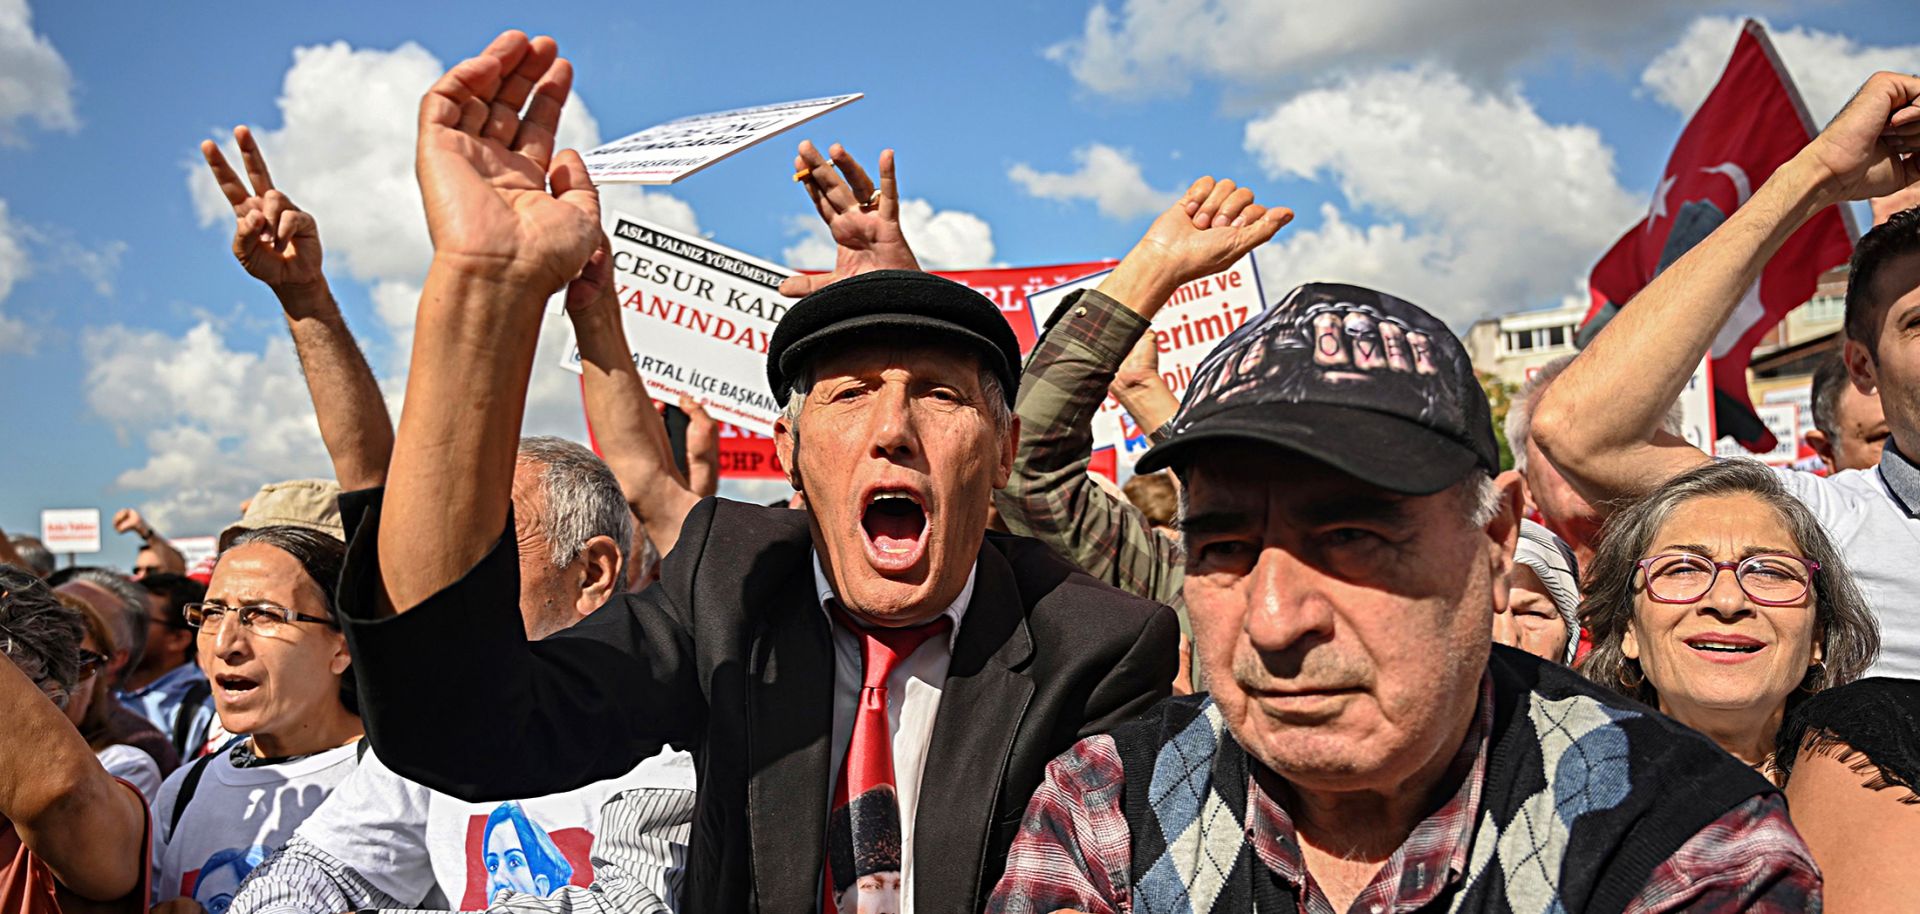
x=802 y=174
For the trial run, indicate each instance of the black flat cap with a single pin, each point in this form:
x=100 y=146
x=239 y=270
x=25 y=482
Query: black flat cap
x=904 y=305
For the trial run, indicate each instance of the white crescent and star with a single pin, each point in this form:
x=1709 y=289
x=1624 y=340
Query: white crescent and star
x=1742 y=189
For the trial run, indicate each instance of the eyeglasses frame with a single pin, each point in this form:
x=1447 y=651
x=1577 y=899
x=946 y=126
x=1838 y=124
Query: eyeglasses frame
x=1645 y=566
x=285 y=614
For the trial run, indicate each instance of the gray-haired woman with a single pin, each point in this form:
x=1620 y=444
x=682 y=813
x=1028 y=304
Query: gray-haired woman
x=71 y=819
x=1718 y=598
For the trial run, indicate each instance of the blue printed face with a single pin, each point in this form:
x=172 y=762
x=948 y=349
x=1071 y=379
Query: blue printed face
x=507 y=866
x=215 y=889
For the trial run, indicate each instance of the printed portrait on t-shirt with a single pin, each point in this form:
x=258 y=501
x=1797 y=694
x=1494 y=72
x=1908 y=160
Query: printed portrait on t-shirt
x=514 y=848
x=863 y=846
x=520 y=856
x=216 y=881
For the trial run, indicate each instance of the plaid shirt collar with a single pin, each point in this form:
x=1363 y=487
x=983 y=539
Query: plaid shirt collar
x=1433 y=857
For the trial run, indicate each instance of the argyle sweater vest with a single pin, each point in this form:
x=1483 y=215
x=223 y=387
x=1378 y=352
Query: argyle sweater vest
x=1586 y=793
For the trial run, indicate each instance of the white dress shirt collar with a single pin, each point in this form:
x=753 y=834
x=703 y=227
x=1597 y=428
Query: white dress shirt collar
x=956 y=610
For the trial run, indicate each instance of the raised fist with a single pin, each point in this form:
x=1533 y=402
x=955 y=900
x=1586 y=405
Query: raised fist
x=127 y=520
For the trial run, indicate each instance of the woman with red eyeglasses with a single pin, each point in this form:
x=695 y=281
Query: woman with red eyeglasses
x=1720 y=600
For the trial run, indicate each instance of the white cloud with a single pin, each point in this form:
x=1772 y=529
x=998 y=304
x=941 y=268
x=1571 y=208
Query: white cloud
x=1146 y=47
x=946 y=239
x=1107 y=176
x=16 y=336
x=217 y=421
x=34 y=79
x=1484 y=205
x=219 y=418
x=1827 y=67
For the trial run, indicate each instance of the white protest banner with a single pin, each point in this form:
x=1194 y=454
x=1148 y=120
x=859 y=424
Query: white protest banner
x=698 y=317
x=196 y=549
x=70 y=529
x=1195 y=319
x=667 y=152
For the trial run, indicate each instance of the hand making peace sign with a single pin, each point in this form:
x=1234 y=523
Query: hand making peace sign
x=277 y=242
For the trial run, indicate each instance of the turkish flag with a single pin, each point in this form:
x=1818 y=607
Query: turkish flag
x=1750 y=124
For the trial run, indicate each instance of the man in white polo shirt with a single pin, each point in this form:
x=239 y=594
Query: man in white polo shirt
x=1599 y=422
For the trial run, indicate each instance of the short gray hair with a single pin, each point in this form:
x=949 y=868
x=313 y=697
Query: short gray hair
x=35 y=553
x=580 y=499
x=38 y=634
x=991 y=390
x=133 y=599
x=1519 y=424
x=1849 y=635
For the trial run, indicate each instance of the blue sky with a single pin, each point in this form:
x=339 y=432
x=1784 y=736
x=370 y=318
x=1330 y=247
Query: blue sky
x=1473 y=155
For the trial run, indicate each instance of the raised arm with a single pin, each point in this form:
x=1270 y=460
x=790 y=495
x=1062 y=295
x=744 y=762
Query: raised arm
x=128 y=520
x=512 y=223
x=279 y=244
x=1600 y=421
x=628 y=428
x=87 y=827
x=1139 y=388
x=1050 y=496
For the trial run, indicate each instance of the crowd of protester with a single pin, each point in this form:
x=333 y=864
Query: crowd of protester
x=1320 y=654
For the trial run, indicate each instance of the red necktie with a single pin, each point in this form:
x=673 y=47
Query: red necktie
x=863 y=829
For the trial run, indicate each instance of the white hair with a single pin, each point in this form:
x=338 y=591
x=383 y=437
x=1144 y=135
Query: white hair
x=580 y=499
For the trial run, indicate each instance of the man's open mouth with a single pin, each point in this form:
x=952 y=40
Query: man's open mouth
x=895 y=524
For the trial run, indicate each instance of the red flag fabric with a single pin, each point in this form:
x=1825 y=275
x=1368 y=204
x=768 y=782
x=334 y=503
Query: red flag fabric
x=1751 y=123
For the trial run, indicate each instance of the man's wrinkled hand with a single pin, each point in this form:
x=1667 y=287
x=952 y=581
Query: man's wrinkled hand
x=863 y=219
x=1212 y=225
x=703 y=448
x=1872 y=147
x=594 y=288
x=1142 y=364
x=501 y=205
x=276 y=242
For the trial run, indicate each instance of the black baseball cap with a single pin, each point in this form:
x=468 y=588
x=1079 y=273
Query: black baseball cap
x=1367 y=383
x=905 y=305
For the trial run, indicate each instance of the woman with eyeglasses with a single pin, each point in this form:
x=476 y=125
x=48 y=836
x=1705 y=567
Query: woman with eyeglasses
x=1719 y=599
x=269 y=644
x=127 y=745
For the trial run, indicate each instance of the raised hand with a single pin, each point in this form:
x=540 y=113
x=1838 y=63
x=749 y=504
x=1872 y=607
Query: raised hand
x=864 y=220
x=594 y=287
x=276 y=241
x=1212 y=225
x=703 y=448
x=1872 y=147
x=127 y=520
x=485 y=169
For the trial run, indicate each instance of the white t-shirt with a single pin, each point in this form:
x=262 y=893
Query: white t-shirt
x=1880 y=542
x=235 y=818
x=419 y=847
x=134 y=766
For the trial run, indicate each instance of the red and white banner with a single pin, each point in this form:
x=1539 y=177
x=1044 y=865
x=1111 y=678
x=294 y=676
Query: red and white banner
x=1750 y=124
x=1194 y=320
x=698 y=317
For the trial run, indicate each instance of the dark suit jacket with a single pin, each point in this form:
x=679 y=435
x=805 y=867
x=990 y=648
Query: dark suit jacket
x=728 y=657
